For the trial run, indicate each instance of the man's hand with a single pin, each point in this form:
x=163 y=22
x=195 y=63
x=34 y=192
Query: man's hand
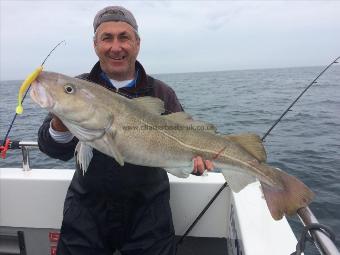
x=201 y=165
x=58 y=125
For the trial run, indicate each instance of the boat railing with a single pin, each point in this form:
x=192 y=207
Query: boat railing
x=320 y=235
x=25 y=148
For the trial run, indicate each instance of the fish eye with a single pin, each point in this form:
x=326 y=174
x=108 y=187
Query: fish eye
x=69 y=89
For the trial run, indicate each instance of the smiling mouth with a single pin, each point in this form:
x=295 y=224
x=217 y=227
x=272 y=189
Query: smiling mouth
x=118 y=58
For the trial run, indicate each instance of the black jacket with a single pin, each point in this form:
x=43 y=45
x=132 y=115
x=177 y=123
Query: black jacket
x=105 y=178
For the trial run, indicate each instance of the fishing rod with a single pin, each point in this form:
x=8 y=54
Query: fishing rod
x=24 y=88
x=287 y=110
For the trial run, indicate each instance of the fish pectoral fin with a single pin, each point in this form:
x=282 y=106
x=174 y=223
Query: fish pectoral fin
x=107 y=145
x=179 y=172
x=184 y=119
x=236 y=179
x=84 y=154
x=151 y=104
x=251 y=143
x=117 y=155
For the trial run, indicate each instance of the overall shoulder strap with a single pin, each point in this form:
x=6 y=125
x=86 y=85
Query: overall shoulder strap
x=150 y=86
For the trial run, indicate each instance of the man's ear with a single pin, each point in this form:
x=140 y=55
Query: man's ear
x=95 y=44
x=95 y=39
x=138 y=44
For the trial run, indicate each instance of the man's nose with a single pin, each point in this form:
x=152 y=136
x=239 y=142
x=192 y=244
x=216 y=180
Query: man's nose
x=116 y=45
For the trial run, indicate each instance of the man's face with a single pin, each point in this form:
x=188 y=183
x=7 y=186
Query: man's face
x=117 y=47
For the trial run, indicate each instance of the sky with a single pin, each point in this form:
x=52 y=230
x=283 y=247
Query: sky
x=176 y=36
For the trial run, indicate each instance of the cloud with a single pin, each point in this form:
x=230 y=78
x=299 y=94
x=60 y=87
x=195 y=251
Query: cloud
x=177 y=36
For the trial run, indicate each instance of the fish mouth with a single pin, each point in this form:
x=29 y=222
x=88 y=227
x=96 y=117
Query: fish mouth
x=40 y=95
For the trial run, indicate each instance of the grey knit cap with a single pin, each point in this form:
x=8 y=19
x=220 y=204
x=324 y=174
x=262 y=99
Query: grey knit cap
x=114 y=13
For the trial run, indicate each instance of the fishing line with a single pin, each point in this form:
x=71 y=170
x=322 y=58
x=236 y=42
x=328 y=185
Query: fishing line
x=291 y=105
x=27 y=83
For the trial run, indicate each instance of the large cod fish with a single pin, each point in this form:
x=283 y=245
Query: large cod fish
x=129 y=129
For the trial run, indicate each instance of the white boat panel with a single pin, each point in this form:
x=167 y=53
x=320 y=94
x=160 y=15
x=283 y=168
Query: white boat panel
x=188 y=198
x=260 y=233
x=34 y=199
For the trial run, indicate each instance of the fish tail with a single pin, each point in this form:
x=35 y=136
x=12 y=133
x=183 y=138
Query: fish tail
x=287 y=197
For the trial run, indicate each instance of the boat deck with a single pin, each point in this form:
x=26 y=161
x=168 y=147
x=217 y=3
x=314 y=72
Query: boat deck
x=203 y=246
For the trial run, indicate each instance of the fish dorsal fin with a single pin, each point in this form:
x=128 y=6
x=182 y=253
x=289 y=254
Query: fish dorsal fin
x=185 y=119
x=180 y=117
x=251 y=143
x=151 y=104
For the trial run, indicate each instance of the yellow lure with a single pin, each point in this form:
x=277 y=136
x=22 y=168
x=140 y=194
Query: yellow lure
x=30 y=78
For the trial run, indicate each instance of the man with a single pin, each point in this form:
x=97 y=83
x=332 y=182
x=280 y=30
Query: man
x=113 y=207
